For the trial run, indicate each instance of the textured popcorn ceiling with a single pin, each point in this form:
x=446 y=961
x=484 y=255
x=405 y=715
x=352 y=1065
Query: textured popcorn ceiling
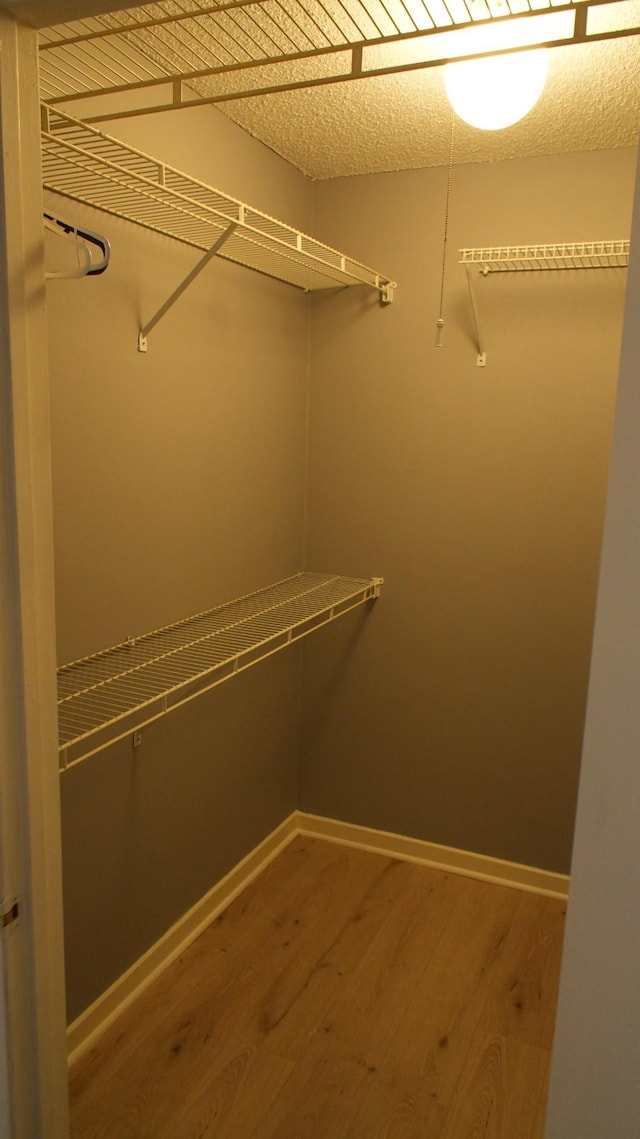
x=591 y=101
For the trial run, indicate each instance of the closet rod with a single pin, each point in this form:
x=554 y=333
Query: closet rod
x=89 y=268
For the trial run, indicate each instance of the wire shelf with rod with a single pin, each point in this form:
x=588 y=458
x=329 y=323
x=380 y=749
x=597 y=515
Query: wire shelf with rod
x=112 y=694
x=88 y=166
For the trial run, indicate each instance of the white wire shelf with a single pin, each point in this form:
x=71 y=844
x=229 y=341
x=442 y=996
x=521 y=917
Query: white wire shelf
x=239 y=48
x=527 y=258
x=82 y=163
x=110 y=695
x=570 y=255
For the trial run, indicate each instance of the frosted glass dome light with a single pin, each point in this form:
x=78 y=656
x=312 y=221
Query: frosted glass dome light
x=496 y=91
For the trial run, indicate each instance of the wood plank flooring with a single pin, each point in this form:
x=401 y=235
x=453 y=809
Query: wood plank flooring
x=343 y=995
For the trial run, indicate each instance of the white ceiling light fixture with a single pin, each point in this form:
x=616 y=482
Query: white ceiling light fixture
x=496 y=91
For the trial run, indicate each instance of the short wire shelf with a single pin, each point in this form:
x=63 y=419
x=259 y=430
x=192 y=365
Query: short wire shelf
x=526 y=258
x=107 y=696
x=569 y=255
x=88 y=166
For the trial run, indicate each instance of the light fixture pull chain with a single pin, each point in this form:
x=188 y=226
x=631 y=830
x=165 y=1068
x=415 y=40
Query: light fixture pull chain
x=440 y=320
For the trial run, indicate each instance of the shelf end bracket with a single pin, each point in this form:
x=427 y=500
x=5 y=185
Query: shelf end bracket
x=387 y=292
x=376 y=583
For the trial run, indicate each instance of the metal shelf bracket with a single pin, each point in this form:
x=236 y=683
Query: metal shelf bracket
x=195 y=272
x=481 y=358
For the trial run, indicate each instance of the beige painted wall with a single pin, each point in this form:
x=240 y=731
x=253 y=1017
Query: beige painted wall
x=595 y=1090
x=454 y=713
x=178 y=484
x=453 y=710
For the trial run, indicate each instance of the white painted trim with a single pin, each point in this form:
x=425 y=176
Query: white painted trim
x=33 y=1004
x=83 y=1032
x=448 y=858
x=91 y=1023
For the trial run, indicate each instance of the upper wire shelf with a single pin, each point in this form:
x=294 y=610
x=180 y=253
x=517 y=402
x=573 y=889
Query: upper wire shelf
x=230 y=49
x=571 y=255
x=107 y=696
x=88 y=166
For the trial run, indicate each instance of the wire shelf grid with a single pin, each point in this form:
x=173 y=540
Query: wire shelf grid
x=86 y=165
x=104 y=697
x=153 y=43
x=570 y=255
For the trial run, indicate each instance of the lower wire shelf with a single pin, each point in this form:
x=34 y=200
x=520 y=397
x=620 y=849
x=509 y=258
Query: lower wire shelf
x=112 y=694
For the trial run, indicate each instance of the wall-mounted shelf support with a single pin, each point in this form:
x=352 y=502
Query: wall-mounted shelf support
x=195 y=272
x=387 y=291
x=113 y=694
x=529 y=258
x=481 y=358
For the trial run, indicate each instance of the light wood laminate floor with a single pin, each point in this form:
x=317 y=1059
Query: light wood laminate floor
x=343 y=995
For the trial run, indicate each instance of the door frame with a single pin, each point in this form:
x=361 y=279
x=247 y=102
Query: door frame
x=33 y=1062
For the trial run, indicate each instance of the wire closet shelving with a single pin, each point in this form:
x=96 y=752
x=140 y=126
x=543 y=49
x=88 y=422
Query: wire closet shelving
x=82 y=163
x=612 y=254
x=527 y=258
x=198 y=51
x=110 y=695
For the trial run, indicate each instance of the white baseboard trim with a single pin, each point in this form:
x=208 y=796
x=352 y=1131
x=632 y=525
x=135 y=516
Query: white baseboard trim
x=84 y=1031
x=448 y=858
